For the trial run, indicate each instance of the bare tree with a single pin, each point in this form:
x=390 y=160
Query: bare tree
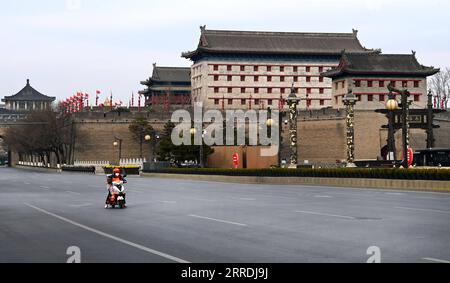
x=440 y=87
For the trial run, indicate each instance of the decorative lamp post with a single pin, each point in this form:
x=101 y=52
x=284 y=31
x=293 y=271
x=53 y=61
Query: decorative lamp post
x=293 y=102
x=349 y=101
x=391 y=106
x=405 y=121
x=430 y=117
x=153 y=138
x=118 y=143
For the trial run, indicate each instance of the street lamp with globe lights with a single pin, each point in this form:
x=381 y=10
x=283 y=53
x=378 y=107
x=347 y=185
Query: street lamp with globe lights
x=391 y=106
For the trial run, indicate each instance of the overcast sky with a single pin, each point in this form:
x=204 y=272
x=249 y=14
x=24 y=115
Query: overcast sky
x=68 y=45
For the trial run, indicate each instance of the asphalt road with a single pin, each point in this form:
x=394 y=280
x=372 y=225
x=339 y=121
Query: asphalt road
x=43 y=214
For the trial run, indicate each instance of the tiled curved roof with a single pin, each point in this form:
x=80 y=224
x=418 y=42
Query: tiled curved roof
x=28 y=93
x=218 y=41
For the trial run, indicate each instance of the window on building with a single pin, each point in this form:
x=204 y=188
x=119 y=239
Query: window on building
x=255 y=68
x=393 y=83
x=257 y=101
x=322 y=102
x=336 y=100
x=382 y=98
x=242 y=89
x=242 y=78
x=229 y=68
x=230 y=90
x=308 y=102
x=269 y=78
x=321 y=90
x=336 y=86
x=216 y=101
x=370 y=97
x=295 y=69
x=381 y=83
x=269 y=102
x=308 y=69
x=243 y=101
x=416 y=98
x=308 y=79
x=281 y=68
x=358 y=96
x=320 y=69
x=242 y=68
x=295 y=79
x=269 y=90
x=416 y=84
x=230 y=101
x=405 y=84
x=216 y=67
x=308 y=90
x=256 y=79
x=269 y=68
x=216 y=78
x=216 y=90
x=343 y=84
x=256 y=90
x=283 y=91
x=357 y=83
x=321 y=79
x=369 y=83
x=282 y=79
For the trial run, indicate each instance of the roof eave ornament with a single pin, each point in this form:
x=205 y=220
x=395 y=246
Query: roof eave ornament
x=203 y=41
x=355 y=32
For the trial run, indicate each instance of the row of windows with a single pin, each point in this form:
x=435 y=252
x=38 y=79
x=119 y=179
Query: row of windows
x=381 y=97
x=307 y=69
x=243 y=78
x=377 y=83
x=259 y=101
x=269 y=90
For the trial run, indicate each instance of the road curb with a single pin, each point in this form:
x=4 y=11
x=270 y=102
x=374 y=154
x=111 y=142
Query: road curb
x=386 y=184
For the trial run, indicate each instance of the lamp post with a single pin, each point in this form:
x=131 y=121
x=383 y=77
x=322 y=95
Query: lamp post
x=153 y=138
x=293 y=102
x=430 y=117
x=349 y=101
x=270 y=122
x=118 y=143
x=405 y=94
x=391 y=106
x=193 y=132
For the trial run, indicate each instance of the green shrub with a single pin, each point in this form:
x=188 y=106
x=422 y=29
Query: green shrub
x=369 y=173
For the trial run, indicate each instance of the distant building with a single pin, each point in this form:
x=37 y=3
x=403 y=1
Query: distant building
x=370 y=74
x=254 y=70
x=168 y=86
x=28 y=99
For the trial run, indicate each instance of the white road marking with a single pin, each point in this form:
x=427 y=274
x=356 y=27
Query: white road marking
x=395 y=194
x=436 y=260
x=423 y=209
x=248 y=199
x=74 y=193
x=44 y=188
x=217 y=220
x=106 y=235
x=167 y=201
x=325 y=214
x=318 y=196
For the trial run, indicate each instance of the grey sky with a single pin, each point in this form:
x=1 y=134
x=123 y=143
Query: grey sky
x=64 y=46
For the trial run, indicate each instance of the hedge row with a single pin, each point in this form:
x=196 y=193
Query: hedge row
x=83 y=169
x=375 y=173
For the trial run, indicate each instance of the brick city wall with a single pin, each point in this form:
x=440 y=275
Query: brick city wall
x=322 y=136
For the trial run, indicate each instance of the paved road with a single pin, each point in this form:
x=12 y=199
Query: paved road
x=43 y=214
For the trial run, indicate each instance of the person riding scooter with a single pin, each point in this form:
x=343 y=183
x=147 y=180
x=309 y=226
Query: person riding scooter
x=116 y=177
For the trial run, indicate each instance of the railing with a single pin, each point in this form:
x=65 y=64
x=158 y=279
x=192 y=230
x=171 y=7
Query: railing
x=133 y=162
x=97 y=163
